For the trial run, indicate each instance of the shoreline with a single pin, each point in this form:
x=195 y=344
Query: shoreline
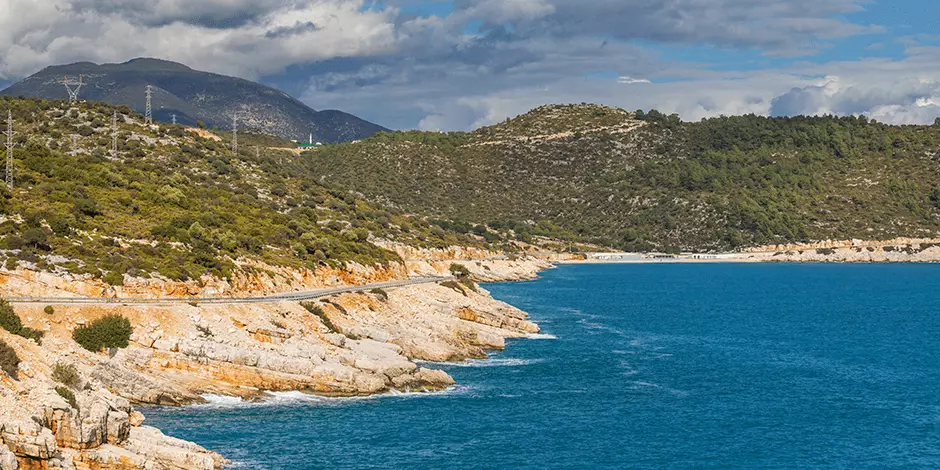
x=354 y=342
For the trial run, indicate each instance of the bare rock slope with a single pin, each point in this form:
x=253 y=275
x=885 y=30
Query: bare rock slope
x=345 y=345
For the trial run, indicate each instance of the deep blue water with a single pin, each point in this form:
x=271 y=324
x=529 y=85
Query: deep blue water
x=654 y=366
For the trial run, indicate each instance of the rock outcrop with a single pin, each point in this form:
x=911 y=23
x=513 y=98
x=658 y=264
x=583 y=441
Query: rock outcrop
x=102 y=431
x=898 y=250
x=344 y=345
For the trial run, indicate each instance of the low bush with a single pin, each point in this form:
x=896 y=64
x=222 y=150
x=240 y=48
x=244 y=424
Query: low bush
x=205 y=331
x=468 y=282
x=49 y=310
x=379 y=293
x=453 y=285
x=11 y=322
x=114 y=278
x=318 y=311
x=459 y=270
x=68 y=395
x=9 y=361
x=111 y=331
x=66 y=374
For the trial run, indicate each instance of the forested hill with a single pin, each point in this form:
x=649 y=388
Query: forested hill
x=174 y=204
x=646 y=181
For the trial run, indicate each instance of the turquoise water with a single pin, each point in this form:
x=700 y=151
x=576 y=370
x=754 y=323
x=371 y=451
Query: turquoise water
x=654 y=366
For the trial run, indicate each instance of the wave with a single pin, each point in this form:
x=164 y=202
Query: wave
x=300 y=398
x=540 y=336
x=249 y=464
x=270 y=399
x=220 y=401
x=496 y=362
x=672 y=391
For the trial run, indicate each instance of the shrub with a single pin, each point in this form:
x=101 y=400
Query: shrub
x=49 y=310
x=114 y=278
x=86 y=206
x=66 y=374
x=380 y=293
x=453 y=285
x=205 y=331
x=468 y=282
x=9 y=361
x=318 y=311
x=11 y=322
x=459 y=270
x=68 y=395
x=111 y=331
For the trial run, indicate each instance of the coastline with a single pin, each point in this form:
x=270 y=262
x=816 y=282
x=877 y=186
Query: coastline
x=351 y=344
x=362 y=343
x=898 y=250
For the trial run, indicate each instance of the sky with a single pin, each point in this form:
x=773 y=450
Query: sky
x=460 y=64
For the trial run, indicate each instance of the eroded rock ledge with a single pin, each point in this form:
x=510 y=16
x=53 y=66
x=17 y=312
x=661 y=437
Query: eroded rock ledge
x=345 y=345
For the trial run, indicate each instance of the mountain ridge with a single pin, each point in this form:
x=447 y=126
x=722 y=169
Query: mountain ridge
x=195 y=96
x=645 y=181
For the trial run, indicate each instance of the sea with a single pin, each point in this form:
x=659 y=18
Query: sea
x=646 y=366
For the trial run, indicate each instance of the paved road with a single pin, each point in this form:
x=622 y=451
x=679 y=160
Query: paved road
x=285 y=297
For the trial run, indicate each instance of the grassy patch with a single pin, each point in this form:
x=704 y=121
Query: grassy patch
x=66 y=374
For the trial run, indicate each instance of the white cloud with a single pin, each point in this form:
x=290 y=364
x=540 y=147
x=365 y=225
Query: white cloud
x=37 y=34
x=434 y=73
x=630 y=80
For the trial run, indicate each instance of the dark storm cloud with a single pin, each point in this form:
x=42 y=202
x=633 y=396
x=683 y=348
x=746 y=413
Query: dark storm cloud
x=220 y=14
x=298 y=28
x=771 y=24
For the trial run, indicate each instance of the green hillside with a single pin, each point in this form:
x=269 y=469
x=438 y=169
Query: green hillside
x=646 y=181
x=173 y=204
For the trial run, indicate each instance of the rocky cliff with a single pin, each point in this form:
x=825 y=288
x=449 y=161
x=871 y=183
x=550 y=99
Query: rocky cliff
x=897 y=250
x=344 y=345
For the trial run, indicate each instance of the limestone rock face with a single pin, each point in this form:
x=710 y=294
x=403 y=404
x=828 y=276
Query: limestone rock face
x=169 y=452
x=102 y=418
x=432 y=377
x=353 y=344
x=7 y=459
x=142 y=388
x=28 y=440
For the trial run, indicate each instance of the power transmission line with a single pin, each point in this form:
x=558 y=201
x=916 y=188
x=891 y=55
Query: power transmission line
x=10 y=146
x=73 y=92
x=235 y=133
x=148 y=116
x=114 y=135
